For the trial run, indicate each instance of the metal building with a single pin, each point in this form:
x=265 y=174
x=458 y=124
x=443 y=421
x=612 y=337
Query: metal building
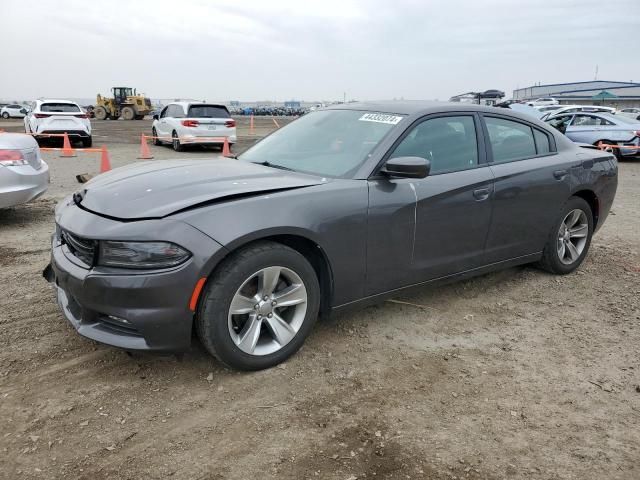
x=595 y=92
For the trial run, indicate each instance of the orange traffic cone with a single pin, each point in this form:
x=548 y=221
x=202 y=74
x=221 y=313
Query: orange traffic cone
x=226 y=151
x=105 y=163
x=251 y=129
x=67 y=150
x=145 y=153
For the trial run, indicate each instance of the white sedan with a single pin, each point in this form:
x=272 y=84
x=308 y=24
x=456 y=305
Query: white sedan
x=13 y=111
x=58 y=117
x=190 y=123
x=24 y=176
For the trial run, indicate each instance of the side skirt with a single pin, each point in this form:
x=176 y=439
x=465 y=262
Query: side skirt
x=436 y=282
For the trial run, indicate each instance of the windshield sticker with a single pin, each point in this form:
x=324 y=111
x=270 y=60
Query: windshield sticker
x=380 y=118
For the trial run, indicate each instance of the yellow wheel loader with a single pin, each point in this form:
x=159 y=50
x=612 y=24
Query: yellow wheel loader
x=126 y=103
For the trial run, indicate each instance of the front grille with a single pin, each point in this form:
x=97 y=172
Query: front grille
x=81 y=248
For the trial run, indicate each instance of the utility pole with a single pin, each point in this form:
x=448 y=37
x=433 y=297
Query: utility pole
x=596 y=76
x=344 y=97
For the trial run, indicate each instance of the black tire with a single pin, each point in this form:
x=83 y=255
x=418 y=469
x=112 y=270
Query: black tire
x=212 y=316
x=175 y=142
x=156 y=140
x=615 y=151
x=550 y=258
x=87 y=142
x=5 y=115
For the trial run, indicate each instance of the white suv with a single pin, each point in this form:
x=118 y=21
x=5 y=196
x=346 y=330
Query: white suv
x=56 y=117
x=13 y=110
x=190 y=123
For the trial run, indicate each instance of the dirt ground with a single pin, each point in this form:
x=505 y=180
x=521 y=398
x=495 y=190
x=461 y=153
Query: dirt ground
x=517 y=374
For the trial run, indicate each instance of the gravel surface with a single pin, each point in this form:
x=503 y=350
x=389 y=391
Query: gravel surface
x=517 y=374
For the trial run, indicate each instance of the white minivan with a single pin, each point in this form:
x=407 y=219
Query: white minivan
x=191 y=123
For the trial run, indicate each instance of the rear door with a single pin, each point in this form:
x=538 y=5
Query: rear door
x=422 y=229
x=531 y=184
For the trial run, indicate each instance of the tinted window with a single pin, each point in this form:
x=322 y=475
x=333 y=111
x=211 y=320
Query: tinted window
x=449 y=143
x=165 y=112
x=175 y=111
x=543 y=145
x=510 y=140
x=59 y=107
x=207 y=111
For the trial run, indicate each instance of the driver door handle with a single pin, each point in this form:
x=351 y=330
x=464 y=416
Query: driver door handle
x=560 y=174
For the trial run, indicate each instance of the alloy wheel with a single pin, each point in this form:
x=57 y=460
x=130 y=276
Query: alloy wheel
x=572 y=236
x=267 y=310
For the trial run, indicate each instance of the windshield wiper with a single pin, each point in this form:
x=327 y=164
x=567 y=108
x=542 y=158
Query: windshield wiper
x=274 y=165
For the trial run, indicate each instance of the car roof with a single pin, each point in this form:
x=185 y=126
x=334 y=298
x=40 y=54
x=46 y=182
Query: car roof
x=188 y=104
x=419 y=108
x=40 y=101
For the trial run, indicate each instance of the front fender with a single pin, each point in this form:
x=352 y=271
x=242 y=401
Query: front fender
x=331 y=215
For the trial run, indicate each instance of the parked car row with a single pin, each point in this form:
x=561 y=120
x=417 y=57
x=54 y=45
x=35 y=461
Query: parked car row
x=596 y=127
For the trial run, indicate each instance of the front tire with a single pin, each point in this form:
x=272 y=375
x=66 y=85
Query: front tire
x=100 y=113
x=5 y=115
x=259 y=306
x=569 y=239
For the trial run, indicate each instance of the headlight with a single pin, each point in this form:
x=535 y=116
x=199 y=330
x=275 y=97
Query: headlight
x=141 y=254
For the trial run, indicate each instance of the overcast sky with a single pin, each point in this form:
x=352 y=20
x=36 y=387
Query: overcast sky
x=311 y=50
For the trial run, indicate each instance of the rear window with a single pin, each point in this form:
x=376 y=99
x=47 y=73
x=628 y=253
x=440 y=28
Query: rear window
x=59 y=107
x=208 y=111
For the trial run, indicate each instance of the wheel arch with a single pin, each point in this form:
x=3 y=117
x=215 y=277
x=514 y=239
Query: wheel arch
x=304 y=245
x=591 y=198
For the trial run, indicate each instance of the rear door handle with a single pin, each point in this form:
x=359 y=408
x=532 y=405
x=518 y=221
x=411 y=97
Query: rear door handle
x=560 y=174
x=481 y=194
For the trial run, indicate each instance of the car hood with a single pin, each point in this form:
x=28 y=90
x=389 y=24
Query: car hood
x=149 y=190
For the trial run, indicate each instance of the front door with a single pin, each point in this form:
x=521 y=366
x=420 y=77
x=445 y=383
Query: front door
x=423 y=229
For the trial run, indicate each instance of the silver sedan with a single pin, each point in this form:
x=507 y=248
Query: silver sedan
x=623 y=133
x=24 y=176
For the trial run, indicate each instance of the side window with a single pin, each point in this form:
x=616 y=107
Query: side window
x=449 y=143
x=164 y=112
x=543 y=146
x=178 y=112
x=510 y=140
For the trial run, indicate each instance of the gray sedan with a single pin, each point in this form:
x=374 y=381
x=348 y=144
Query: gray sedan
x=24 y=176
x=341 y=208
x=595 y=128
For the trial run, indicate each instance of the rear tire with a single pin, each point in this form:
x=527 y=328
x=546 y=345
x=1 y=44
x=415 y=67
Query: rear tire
x=558 y=256
x=5 y=115
x=87 y=142
x=224 y=335
x=156 y=140
x=175 y=142
x=615 y=151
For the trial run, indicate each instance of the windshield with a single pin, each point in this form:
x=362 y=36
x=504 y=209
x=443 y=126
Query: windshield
x=332 y=143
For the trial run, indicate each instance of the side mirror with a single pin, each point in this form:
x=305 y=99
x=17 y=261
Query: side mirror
x=407 y=167
x=156 y=117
